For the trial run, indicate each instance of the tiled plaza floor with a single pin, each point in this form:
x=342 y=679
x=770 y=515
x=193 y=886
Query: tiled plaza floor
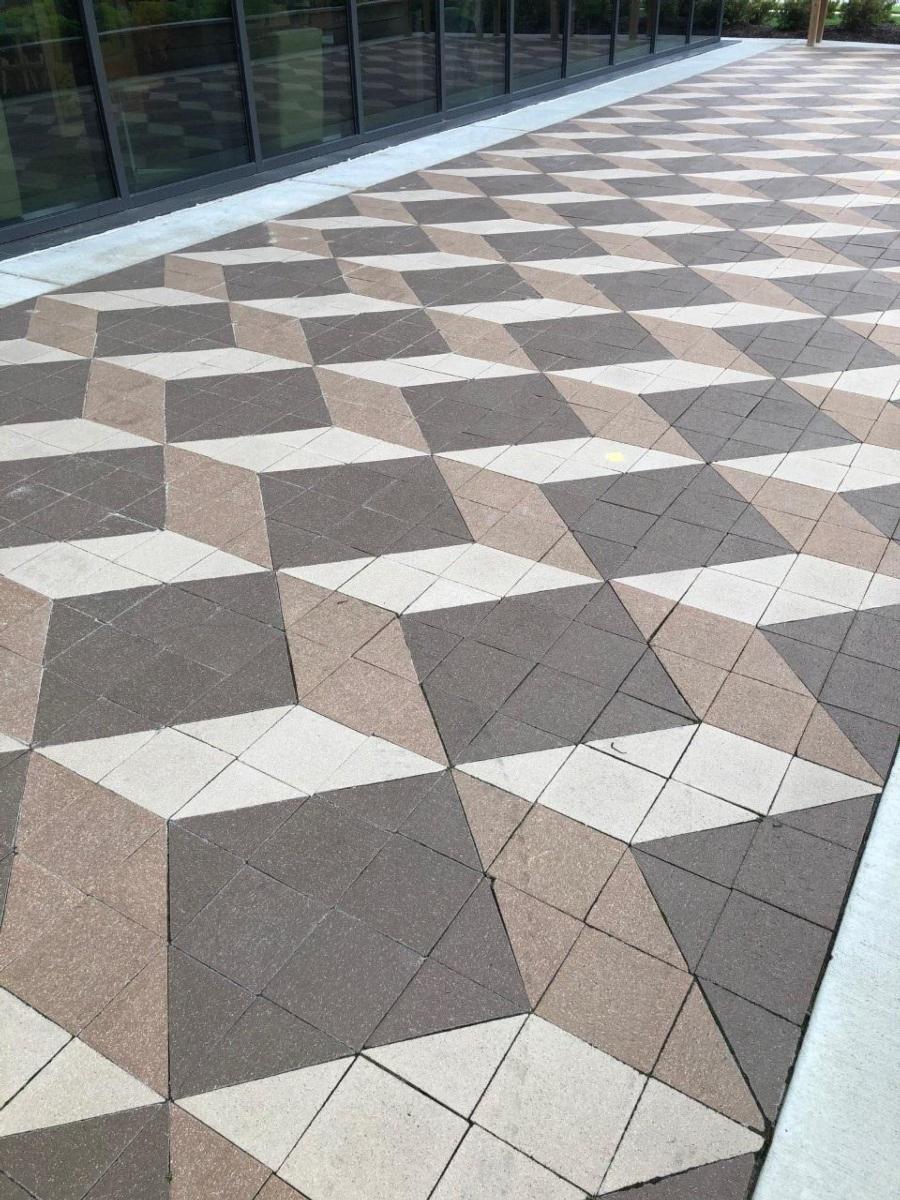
x=450 y=661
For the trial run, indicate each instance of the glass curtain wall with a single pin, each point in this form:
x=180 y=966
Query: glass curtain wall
x=52 y=150
x=398 y=55
x=474 y=50
x=591 y=35
x=300 y=51
x=672 y=27
x=707 y=14
x=537 y=41
x=634 y=35
x=175 y=86
x=108 y=103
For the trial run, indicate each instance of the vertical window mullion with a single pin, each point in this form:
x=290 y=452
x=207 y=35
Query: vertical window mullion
x=356 y=66
x=567 y=35
x=246 y=68
x=108 y=121
x=614 y=33
x=439 y=54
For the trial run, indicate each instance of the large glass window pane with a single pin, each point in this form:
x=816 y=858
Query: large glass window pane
x=635 y=31
x=591 y=34
x=52 y=152
x=706 y=19
x=474 y=49
x=174 y=79
x=301 y=72
x=673 y=23
x=537 y=42
x=398 y=60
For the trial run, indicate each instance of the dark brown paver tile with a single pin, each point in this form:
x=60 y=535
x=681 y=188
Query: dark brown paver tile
x=410 y=893
x=801 y=874
x=319 y=851
x=764 y=1044
x=68 y=1160
x=345 y=978
x=251 y=928
x=765 y=955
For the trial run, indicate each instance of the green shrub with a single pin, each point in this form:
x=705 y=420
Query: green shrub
x=792 y=15
x=748 y=12
x=865 y=16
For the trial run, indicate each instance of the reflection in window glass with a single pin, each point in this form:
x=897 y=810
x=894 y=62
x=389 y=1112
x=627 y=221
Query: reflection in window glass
x=173 y=75
x=474 y=49
x=52 y=152
x=537 y=42
x=397 y=45
x=635 y=31
x=591 y=35
x=673 y=23
x=706 y=19
x=301 y=72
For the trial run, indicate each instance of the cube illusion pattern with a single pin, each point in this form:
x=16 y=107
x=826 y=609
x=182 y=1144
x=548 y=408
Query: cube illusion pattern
x=450 y=662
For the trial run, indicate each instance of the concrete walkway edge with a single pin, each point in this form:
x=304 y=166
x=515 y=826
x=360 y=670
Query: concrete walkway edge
x=30 y=275
x=837 y=1134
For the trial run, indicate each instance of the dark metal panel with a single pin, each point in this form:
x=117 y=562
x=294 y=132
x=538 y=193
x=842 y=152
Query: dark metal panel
x=510 y=18
x=568 y=19
x=198 y=183
x=246 y=67
x=101 y=87
x=356 y=67
x=655 y=30
x=34 y=227
x=439 y=54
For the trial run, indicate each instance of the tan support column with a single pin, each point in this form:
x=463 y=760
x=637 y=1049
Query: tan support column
x=823 y=14
x=814 y=9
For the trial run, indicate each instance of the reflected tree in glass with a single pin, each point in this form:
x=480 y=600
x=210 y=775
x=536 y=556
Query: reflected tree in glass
x=706 y=19
x=175 y=85
x=300 y=52
x=538 y=27
x=53 y=154
x=635 y=32
x=398 y=60
x=591 y=35
x=474 y=49
x=673 y=24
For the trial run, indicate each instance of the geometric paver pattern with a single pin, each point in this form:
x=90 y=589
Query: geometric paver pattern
x=450 y=662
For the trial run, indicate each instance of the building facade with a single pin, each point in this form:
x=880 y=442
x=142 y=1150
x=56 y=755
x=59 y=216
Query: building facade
x=109 y=105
